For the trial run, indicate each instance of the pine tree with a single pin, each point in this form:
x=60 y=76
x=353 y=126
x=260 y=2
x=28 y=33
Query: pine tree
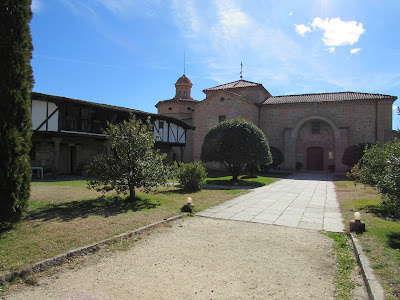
x=16 y=82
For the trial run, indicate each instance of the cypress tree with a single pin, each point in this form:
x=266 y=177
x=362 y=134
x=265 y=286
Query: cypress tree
x=16 y=82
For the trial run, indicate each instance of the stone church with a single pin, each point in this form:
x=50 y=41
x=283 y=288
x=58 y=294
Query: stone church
x=311 y=130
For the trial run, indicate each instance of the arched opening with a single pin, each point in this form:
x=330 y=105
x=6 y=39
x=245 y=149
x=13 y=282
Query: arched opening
x=315 y=141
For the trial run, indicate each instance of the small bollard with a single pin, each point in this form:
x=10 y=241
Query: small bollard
x=357 y=225
x=188 y=207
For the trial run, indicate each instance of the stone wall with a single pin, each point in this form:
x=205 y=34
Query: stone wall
x=206 y=115
x=355 y=122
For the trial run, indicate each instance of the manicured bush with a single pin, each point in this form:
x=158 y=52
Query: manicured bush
x=353 y=154
x=252 y=170
x=191 y=176
x=277 y=159
x=235 y=143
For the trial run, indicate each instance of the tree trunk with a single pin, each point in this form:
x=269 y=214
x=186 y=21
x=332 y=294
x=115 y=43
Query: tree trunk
x=235 y=174
x=132 y=194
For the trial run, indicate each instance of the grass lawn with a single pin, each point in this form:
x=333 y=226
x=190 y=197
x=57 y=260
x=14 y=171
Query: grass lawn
x=65 y=215
x=381 y=241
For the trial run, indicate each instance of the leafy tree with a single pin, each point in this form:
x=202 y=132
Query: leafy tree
x=133 y=162
x=16 y=82
x=191 y=176
x=236 y=143
x=380 y=168
x=353 y=154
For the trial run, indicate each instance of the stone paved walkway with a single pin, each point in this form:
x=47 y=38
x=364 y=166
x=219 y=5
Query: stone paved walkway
x=303 y=200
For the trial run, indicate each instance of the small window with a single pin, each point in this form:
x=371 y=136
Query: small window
x=222 y=118
x=222 y=99
x=189 y=108
x=169 y=108
x=160 y=124
x=315 y=127
x=184 y=94
x=180 y=93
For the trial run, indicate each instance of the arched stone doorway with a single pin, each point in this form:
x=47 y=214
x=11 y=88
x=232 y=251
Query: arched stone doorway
x=315 y=131
x=315 y=140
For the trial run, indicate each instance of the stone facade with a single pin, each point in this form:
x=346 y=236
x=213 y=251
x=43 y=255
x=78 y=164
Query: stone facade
x=312 y=131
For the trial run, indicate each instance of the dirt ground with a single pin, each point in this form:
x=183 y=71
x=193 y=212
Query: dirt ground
x=202 y=258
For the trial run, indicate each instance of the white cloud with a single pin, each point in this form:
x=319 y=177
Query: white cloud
x=302 y=29
x=331 y=49
x=291 y=13
x=231 y=21
x=355 y=50
x=338 y=32
x=117 y=6
x=186 y=17
x=120 y=8
x=80 y=8
x=395 y=107
x=36 y=6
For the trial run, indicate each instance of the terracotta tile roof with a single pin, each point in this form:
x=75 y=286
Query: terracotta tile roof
x=176 y=100
x=59 y=99
x=183 y=80
x=324 y=97
x=233 y=85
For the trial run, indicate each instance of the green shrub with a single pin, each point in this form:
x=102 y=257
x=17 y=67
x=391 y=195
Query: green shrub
x=252 y=170
x=380 y=168
x=353 y=154
x=235 y=143
x=191 y=176
x=277 y=159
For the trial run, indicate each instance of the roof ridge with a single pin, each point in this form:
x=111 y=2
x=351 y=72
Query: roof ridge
x=329 y=93
x=229 y=83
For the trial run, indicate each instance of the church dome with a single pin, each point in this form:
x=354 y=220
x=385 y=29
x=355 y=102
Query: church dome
x=183 y=81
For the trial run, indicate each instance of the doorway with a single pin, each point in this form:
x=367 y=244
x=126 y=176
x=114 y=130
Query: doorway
x=315 y=159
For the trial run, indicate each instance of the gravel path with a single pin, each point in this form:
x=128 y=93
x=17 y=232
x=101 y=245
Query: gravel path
x=202 y=258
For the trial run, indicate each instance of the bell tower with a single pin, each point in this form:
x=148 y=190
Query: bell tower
x=183 y=88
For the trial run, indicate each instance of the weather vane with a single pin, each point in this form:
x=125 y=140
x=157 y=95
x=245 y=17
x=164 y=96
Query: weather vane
x=241 y=70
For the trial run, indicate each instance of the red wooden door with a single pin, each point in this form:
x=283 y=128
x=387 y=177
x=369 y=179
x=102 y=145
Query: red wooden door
x=315 y=159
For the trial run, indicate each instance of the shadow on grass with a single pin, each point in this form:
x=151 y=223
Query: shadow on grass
x=216 y=174
x=239 y=182
x=169 y=192
x=109 y=206
x=378 y=211
x=394 y=240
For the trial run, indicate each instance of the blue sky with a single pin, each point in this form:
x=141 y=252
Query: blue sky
x=130 y=53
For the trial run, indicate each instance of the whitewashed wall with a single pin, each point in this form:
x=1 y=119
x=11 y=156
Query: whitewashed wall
x=40 y=112
x=170 y=132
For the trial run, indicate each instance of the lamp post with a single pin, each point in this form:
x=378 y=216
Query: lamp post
x=188 y=207
x=357 y=225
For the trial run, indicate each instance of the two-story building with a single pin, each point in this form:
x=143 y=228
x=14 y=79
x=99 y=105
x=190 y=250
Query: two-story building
x=67 y=133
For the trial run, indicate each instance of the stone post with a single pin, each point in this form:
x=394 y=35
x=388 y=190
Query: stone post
x=289 y=155
x=341 y=144
x=56 y=157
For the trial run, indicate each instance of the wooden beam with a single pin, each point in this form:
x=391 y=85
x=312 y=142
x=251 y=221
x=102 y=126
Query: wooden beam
x=47 y=119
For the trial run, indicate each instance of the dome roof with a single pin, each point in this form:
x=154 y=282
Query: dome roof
x=183 y=81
